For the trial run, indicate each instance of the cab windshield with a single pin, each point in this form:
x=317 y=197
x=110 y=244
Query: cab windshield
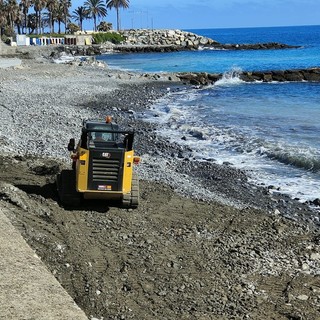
x=104 y=139
x=103 y=136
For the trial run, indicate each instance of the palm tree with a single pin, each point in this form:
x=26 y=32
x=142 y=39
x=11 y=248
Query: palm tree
x=12 y=9
x=25 y=5
x=39 y=5
x=65 y=4
x=19 y=21
x=96 y=8
x=59 y=16
x=32 y=22
x=79 y=15
x=3 y=17
x=52 y=6
x=117 y=4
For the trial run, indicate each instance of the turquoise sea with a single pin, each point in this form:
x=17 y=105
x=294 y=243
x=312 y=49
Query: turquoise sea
x=271 y=130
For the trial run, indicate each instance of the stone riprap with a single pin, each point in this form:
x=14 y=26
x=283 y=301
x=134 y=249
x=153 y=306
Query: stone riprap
x=298 y=75
x=166 y=40
x=310 y=74
x=176 y=38
x=254 y=46
x=145 y=40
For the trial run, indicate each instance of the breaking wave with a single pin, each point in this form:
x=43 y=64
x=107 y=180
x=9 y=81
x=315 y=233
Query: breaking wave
x=230 y=77
x=302 y=161
x=256 y=128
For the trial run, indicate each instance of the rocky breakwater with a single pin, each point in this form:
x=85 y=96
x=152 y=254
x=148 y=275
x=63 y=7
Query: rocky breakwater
x=298 y=75
x=145 y=40
x=255 y=46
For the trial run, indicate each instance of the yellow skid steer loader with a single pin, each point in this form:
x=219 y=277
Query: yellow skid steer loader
x=102 y=168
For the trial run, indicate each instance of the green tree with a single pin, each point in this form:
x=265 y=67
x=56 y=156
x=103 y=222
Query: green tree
x=12 y=10
x=80 y=14
x=19 y=21
x=32 y=22
x=25 y=6
x=65 y=4
x=52 y=6
x=38 y=6
x=59 y=16
x=104 y=26
x=96 y=9
x=3 y=17
x=72 y=27
x=117 y=4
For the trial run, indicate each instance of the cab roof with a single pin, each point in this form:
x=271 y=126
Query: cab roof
x=96 y=125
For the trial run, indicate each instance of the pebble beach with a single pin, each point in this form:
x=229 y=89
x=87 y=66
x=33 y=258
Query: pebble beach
x=250 y=241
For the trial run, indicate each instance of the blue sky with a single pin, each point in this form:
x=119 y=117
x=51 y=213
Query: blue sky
x=197 y=14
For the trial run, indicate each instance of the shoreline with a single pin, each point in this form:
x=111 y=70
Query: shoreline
x=74 y=55
x=162 y=82
x=152 y=87
x=199 y=223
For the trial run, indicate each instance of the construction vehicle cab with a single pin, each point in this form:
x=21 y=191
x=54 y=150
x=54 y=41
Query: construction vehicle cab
x=102 y=167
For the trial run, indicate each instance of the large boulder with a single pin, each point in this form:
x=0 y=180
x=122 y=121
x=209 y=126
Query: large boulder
x=186 y=40
x=293 y=75
x=312 y=74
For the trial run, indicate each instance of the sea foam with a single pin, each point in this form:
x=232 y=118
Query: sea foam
x=230 y=77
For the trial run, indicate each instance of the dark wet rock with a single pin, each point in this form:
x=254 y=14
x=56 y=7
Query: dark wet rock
x=256 y=46
x=316 y=202
x=202 y=78
x=312 y=75
x=278 y=75
x=293 y=75
x=188 y=46
x=46 y=169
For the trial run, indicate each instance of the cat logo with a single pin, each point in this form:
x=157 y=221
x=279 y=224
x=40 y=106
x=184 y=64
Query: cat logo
x=106 y=155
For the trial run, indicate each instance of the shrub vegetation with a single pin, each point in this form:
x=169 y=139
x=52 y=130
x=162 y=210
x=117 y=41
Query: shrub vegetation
x=103 y=37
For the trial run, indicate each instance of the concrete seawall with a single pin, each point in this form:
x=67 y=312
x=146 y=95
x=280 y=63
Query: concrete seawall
x=27 y=289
